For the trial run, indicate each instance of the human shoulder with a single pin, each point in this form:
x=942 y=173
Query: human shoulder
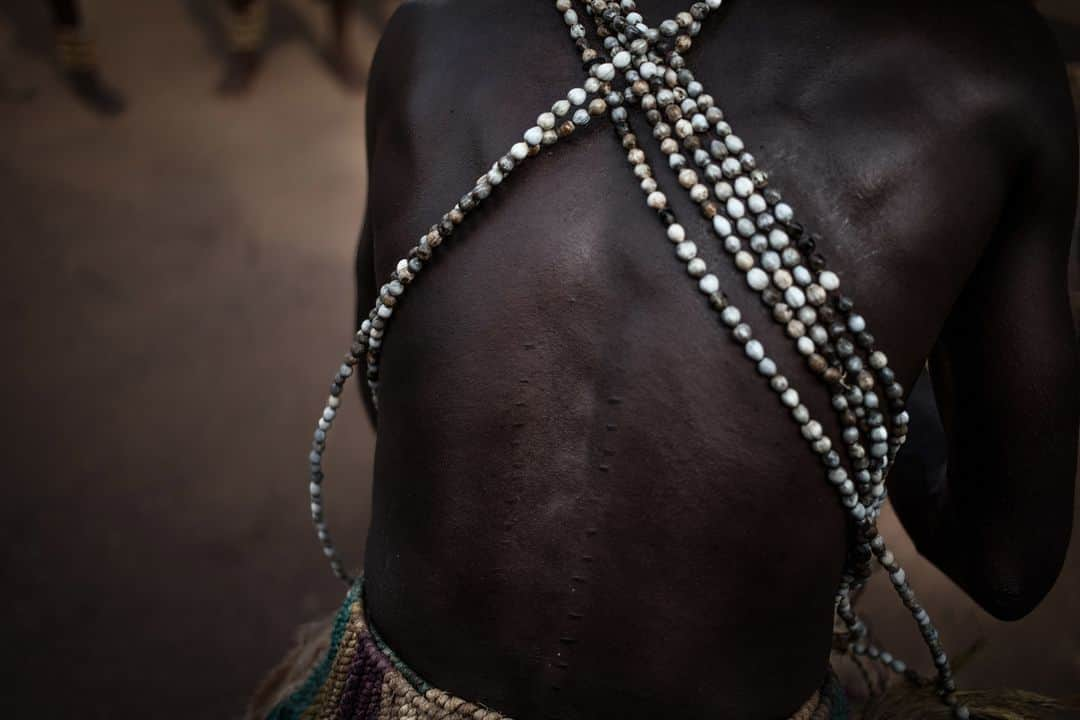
x=1012 y=67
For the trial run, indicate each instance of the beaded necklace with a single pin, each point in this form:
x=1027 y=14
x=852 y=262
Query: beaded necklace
x=642 y=66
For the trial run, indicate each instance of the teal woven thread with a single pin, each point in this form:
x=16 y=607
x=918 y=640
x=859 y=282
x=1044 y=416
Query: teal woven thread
x=839 y=702
x=295 y=705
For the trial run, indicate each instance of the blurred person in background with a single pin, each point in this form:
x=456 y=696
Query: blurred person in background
x=78 y=60
x=247 y=34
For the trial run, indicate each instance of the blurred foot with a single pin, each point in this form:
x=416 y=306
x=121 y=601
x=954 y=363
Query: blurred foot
x=94 y=93
x=240 y=72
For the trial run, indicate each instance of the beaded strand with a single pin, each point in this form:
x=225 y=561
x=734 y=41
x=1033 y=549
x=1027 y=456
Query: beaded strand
x=884 y=445
x=805 y=300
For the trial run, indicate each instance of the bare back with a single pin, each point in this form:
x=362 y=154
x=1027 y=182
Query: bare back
x=586 y=505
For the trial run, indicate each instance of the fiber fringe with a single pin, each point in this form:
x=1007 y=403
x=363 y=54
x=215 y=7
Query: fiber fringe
x=312 y=643
x=910 y=702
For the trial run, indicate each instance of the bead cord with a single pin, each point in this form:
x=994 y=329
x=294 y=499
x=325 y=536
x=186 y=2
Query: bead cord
x=367 y=342
x=648 y=64
x=826 y=330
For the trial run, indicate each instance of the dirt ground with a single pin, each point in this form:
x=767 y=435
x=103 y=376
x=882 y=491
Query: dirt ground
x=177 y=289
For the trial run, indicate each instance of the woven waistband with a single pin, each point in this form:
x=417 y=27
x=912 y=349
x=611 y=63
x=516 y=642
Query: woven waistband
x=360 y=678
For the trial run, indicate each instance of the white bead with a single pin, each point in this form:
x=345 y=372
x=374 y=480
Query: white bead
x=647 y=70
x=699 y=193
x=696 y=267
x=570 y=17
x=778 y=239
x=744 y=187
x=755 y=350
x=709 y=284
x=829 y=280
x=734 y=144
x=744 y=260
x=546 y=121
x=721 y=225
x=621 y=60
x=519 y=151
x=783 y=212
x=735 y=208
x=604 y=72
x=676 y=233
x=805 y=345
x=731 y=316
x=686 y=250
x=812 y=430
x=581 y=117
x=795 y=297
x=757 y=204
x=732 y=244
x=770 y=261
x=534 y=135
x=757 y=279
x=790 y=397
x=592 y=85
x=767 y=367
x=856 y=323
x=561 y=107
x=576 y=96
x=802 y=275
x=656 y=200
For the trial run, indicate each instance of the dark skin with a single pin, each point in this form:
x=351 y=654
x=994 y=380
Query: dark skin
x=586 y=504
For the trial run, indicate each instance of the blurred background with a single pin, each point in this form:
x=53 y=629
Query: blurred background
x=179 y=212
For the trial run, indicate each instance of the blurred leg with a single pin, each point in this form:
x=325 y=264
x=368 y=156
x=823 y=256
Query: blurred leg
x=246 y=32
x=78 y=60
x=341 y=56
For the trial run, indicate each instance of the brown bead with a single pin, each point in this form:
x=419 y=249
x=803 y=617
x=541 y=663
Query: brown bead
x=865 y=380
x=597 y=107
x=673 y=112
x=708 y=209
x=565 y=128
x=817 y=363
x=832 y=375
x=683 y=43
